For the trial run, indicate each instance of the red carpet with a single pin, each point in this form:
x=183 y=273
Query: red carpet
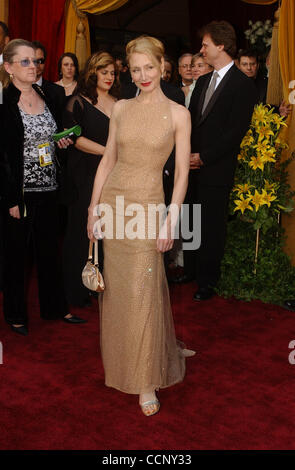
x=239 y=391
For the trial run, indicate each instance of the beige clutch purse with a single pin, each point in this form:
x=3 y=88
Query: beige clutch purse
x=91 y=276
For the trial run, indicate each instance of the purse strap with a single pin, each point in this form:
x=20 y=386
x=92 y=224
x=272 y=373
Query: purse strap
x=90 y=254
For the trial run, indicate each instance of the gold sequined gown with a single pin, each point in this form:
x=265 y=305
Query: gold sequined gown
x=138 y=344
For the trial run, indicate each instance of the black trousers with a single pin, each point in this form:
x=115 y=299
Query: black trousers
x=40 y=226
x=204 y=263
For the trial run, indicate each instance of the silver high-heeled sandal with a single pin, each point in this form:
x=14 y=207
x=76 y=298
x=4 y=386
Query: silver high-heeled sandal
x=146 y=407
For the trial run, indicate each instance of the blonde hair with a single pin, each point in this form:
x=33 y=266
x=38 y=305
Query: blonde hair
x=196 y=56
x=10 y=50
x=148 y=45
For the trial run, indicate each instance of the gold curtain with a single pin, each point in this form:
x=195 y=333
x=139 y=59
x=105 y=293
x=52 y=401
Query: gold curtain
x=287 y=63
x=260 y=2
x=77 y=37
x=4 y=5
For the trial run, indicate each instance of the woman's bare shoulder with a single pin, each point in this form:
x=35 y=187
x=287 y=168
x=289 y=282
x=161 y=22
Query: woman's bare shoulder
x=179 y=111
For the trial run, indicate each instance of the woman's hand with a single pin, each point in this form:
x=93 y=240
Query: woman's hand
x=64 y=142
x=93 y=225
x=14 y=212
x=165 y=240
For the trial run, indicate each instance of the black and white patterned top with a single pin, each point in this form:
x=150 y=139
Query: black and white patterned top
x=38 y=130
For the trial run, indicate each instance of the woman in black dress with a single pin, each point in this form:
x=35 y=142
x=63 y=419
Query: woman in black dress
x=68 y=72
x=91 y=108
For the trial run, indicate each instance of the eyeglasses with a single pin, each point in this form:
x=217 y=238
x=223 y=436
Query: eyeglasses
x=186 y=66
x=26 y=62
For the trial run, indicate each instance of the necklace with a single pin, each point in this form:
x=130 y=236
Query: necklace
x=27 y=103
x=66 y=86
x=30 y=104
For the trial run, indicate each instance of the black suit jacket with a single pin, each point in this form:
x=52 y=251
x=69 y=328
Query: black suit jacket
x=217 y=134
x=56 y=94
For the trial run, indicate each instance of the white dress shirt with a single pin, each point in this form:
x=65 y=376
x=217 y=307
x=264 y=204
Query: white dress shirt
x=221 y=73
x=39 y=82
x=189 y=95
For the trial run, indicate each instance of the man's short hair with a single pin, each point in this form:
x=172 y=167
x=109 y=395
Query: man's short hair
x=5 y=28
x=187 y=54
x=39 y=45
x=221 y=33
x=248 y=53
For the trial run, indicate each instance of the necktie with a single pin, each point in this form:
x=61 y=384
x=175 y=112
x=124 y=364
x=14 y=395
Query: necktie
x=210 y=90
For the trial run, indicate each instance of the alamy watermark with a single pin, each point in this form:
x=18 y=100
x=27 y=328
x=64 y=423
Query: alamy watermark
x=136 y=221
x=291 y=96
x=292 y=353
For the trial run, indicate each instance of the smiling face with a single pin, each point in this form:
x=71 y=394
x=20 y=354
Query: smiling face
x=68 y=68
x=200 y=67
x=105 y=77
x=145 y=71
x=22 y=75
x=210 y=51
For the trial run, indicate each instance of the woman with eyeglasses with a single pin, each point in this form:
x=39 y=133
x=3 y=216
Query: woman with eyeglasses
x=68 y=72
x=28 y=189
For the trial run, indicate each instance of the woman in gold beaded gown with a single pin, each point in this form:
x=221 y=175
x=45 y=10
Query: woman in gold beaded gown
x=139 y=349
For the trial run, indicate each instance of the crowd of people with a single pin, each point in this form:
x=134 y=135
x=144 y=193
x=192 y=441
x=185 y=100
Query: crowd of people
x=138 y=140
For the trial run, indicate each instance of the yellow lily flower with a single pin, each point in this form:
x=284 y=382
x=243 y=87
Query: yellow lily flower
x=257 y=200
x=247 y=140
x=256 y=162
x=269 y=186
x=264 y=132
x=243 y=204
x=259 y=115
x=242 y=188
x=268 y=197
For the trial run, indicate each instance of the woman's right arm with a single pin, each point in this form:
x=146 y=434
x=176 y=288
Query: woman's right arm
x=105 y=167
x=89 y=146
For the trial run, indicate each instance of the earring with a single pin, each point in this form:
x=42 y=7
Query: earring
x=11 y=76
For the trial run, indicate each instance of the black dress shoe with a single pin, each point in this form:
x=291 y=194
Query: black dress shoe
x=290 y=304
x=204 y=293
x=74 y=319
x=183 y=279
x=21 y=330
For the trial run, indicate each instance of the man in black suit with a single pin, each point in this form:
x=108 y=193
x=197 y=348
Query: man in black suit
x=247 y=61
x=54 y=92
x=221 y=108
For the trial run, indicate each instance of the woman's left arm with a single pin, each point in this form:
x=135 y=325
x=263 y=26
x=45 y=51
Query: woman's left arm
x=182 y=125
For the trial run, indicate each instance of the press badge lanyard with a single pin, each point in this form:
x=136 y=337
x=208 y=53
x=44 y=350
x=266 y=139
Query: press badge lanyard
x=45 y=157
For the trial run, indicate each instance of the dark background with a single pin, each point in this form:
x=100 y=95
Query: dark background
x=176 y=22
